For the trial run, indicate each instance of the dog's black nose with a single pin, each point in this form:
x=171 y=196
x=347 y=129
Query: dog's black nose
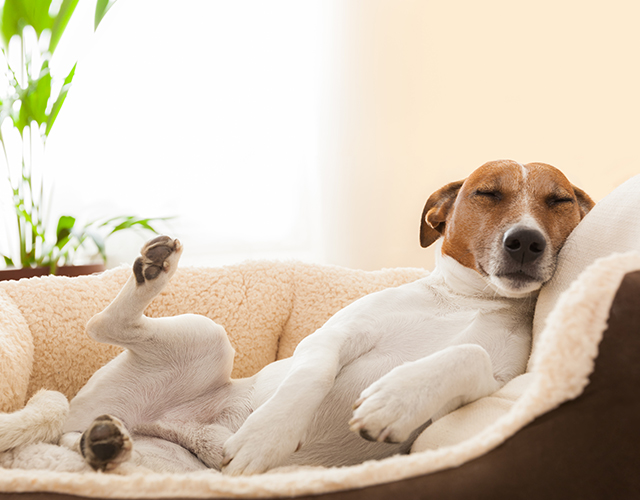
x=524 y=245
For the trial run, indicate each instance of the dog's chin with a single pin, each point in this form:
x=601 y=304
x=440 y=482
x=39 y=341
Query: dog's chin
x=515 y=285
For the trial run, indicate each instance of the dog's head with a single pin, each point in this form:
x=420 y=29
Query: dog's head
x=507 y=221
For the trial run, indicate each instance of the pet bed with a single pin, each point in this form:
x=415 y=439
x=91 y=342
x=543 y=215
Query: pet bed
x=561 y=430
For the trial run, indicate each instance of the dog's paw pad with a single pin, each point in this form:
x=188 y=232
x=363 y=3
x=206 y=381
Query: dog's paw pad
x=379 y=416
x=106 y=443
x=156 y=256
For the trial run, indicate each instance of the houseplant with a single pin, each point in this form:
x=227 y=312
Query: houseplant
x=30 y=101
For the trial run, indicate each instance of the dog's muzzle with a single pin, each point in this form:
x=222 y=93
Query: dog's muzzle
x=524 y=262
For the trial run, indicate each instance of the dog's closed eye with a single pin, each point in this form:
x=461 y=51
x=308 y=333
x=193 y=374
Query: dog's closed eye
x=554 y=201
x=489 y=194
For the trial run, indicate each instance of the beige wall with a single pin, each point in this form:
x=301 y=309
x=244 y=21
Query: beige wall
x=419 y=93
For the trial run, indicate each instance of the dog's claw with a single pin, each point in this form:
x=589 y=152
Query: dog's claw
x=365 y=435
x=383 y=436
x=355 y=424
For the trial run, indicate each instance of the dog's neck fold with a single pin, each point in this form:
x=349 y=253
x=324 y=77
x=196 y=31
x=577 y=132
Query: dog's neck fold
x=459 y=278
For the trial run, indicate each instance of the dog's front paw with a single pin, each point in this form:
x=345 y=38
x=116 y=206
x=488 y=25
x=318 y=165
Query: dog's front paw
x=106 y=443
x=158 y=256
x=259 y=445
x=389 y=410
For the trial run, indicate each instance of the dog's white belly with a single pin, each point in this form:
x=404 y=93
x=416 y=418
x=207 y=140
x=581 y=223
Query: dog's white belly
x=328 y=440
x=403 y=330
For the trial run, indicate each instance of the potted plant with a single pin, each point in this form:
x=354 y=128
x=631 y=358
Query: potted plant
x=30 y=101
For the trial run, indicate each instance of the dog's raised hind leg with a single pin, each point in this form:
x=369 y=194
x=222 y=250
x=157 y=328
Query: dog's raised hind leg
x=168 y=362
x=123 y=321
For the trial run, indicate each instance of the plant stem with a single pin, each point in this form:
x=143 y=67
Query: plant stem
x=22 y=226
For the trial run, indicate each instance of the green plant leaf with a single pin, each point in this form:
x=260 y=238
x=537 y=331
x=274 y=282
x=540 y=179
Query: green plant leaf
x=24 y=106
x=60 y=23
x=8 y=261
x=16 y=14
x=60 y=100
x=102 y=7
x=63 y=231
x=129 y=222
x=33 y=101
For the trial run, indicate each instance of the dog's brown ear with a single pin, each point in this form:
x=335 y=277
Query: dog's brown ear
x=584 y=201
x=436 y=211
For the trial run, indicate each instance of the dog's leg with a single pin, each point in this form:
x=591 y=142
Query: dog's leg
x=204 y=441
x=41 y=420
x=413 y=393
x=122 y=322
x=276 y=429
x=168 y=362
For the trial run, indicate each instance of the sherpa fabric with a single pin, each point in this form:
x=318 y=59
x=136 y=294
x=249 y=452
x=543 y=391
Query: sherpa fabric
x=16 y=354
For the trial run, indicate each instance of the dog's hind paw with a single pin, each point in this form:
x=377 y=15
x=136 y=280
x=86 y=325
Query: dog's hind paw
x=158 y=256
x=106 y=443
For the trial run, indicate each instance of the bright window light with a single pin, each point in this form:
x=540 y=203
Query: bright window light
x=203 y=110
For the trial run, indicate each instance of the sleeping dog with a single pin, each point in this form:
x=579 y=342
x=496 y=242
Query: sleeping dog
x=381 y=369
